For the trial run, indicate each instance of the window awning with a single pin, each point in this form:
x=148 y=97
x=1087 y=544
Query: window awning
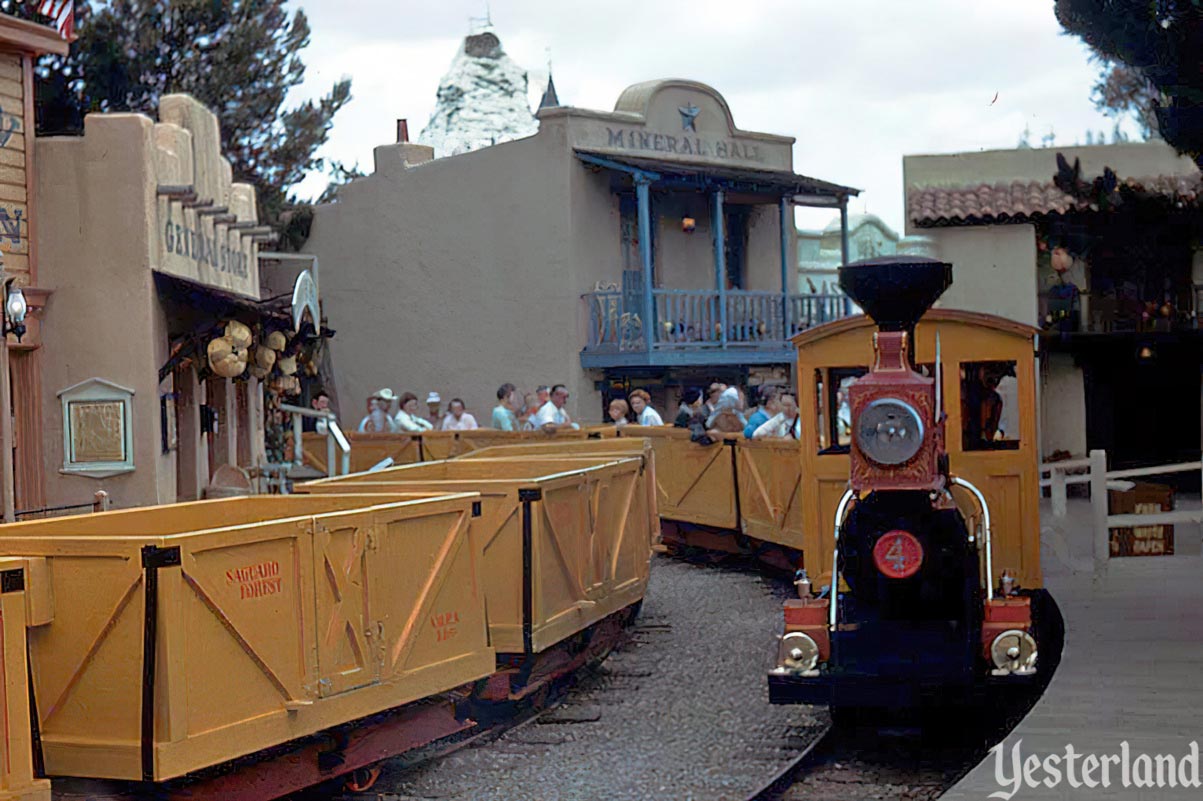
x=740 y=179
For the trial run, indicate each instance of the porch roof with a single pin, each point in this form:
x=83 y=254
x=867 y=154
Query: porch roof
x=742 y=179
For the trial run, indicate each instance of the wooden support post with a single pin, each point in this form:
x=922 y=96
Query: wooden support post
x=1057 y=491
x=17 y=781
x=787 y=222
x=1098 y=511
x=720 y=263
x=844 y=244
x=643 y=196
x=6 y=431
x=100 y=501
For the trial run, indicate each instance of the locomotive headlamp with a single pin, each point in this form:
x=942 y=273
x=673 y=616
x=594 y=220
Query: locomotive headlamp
x=1013 y=651
x=798 y=653
x=889 y=432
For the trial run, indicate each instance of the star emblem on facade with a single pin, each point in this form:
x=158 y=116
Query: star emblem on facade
x=689 y=115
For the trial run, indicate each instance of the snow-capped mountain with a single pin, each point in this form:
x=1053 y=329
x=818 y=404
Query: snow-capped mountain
x=482 y=100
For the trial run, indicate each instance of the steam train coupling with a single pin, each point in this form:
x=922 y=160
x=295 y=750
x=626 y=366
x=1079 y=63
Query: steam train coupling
x=918 y=610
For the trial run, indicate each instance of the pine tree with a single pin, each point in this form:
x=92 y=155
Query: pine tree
x=238 y=57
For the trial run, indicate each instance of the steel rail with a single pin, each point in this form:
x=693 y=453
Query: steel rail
x=785 y=778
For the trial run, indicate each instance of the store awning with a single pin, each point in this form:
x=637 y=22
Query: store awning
x=197 y=312
x=781 y=183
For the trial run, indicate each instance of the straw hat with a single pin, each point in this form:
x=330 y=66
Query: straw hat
x=385 y=394
x=433 y=397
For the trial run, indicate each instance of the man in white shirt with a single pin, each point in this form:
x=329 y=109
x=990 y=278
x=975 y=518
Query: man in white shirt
x=552 y=417
x=786 y=423
x=408 y=418
x=457 y=418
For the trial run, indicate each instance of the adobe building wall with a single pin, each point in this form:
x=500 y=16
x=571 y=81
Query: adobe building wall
x=106 y=231
x=452 y=276
x=100 y=321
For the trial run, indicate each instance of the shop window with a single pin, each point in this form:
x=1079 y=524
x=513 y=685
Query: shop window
x=835 y=417
x=98 y=436
x=989 y=406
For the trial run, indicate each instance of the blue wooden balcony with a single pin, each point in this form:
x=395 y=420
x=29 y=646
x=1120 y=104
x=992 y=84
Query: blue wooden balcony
x=701 y=327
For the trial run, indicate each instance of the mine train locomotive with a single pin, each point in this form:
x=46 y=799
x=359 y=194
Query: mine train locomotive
x=920 y=617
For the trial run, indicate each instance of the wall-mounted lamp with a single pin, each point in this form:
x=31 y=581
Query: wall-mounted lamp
x=14 y=309
x=688 y=224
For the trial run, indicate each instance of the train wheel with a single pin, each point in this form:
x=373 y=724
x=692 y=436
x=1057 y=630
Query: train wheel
x=362 y=780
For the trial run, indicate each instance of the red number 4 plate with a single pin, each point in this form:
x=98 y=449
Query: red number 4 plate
x=898 y=554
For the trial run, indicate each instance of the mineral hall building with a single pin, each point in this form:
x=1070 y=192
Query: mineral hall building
x=652 y=245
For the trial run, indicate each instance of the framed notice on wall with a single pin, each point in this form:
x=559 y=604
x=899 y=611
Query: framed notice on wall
x=97 y=431
x=98 y=438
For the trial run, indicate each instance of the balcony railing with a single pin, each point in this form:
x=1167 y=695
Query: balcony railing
x=1106 y=313
x=692 y=320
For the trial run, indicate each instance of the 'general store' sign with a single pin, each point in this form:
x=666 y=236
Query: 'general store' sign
x=208 y=252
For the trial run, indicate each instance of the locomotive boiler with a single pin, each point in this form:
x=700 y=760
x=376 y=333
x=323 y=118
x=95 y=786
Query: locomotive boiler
x=913 y=612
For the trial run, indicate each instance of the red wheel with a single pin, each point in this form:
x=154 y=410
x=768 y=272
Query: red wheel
x=362 y=780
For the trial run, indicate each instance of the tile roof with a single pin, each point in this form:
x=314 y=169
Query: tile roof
x=1022 y=201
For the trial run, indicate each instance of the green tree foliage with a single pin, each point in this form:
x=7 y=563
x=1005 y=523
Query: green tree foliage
x=238 y=57
x=1125 y=90
x=1160 y=41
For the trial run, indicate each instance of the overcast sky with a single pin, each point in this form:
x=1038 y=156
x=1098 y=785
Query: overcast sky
x=858 y=83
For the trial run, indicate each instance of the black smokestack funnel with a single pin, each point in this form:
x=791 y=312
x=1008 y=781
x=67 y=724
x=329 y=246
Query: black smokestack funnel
x=896 y=290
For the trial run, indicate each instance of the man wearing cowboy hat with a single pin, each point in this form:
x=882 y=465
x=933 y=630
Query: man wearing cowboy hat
x=378 y=418
x=433 y=403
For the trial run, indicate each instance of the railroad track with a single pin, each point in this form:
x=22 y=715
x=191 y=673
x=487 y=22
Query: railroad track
x=783 y=780
x=859 y=763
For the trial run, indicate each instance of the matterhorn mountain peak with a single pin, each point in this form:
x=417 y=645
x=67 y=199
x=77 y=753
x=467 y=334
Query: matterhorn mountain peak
x=482 y=100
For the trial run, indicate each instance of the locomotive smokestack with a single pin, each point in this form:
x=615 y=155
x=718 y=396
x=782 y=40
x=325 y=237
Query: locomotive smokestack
x=402 y=131
x=896 y=290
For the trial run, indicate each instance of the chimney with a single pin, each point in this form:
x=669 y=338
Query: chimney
x=402 y=131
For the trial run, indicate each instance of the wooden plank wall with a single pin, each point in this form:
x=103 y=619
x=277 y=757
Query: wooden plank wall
x=14 y=207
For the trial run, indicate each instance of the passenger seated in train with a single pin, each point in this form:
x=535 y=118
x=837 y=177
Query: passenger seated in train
x=728 y=417
x=786 y=423
x=768 y=408
x=691 y=401
x=982 y=406
x=619 y=412
x=641 y=405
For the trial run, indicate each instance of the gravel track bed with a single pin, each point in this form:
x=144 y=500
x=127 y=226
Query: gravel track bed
x=680 y=711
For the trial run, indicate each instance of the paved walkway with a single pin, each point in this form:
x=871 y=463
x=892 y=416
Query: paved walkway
x=1132 y=669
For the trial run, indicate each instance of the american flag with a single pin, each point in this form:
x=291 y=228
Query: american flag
x=62 y=13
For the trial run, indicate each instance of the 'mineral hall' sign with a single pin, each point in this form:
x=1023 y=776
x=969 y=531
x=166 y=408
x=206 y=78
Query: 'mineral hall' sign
x=684 y=145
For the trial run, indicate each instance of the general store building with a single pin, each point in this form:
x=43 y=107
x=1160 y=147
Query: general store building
x=147 y=249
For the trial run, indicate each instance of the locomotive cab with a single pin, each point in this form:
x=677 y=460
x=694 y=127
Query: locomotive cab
x=918 y=619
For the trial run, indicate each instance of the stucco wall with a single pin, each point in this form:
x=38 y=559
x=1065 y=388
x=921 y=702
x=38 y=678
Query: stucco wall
x=1063 y=402
x=993 y=269
x=453 y=276
x=684 y=261
x=100 y=321
x=764 y=249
